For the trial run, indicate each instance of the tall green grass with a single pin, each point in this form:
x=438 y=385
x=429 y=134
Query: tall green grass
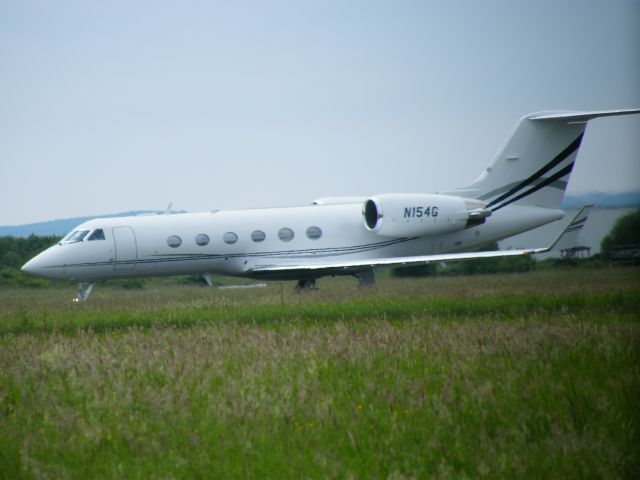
x=511 y=307
x=499 y=376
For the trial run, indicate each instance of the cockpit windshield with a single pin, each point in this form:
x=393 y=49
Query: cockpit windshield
x=75 y=236
x=80 y=235
x=97 y=234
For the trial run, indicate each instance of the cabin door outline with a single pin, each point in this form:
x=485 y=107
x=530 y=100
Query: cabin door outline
x=126 y=248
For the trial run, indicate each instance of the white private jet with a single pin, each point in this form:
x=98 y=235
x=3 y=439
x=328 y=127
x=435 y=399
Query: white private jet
x=521 y=189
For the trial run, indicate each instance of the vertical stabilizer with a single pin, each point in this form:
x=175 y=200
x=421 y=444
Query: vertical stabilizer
x=533 y=166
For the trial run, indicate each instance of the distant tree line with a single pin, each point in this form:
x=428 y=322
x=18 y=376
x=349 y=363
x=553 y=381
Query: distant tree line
x=623 y=240
x=15 y=252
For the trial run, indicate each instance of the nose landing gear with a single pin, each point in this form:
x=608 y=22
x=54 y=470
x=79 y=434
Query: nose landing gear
x=83 y=293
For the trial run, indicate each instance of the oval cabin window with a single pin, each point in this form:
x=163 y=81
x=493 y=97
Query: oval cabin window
x=258 y=236
x=202 y=239
x=314 y=233
x=285 y=234
x=174 y=241
x=230 y=238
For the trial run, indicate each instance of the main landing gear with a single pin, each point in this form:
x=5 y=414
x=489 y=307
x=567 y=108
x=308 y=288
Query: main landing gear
x=305 y=285
x=365 y=278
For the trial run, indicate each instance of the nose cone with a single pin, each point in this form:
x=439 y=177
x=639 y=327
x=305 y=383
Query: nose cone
x=34 y=266
x=28 y=267
x=43 y=266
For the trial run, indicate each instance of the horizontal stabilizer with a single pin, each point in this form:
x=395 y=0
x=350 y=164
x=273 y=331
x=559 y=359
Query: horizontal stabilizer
x=581 y=116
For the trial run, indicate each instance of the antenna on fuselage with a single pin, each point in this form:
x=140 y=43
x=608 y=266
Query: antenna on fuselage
x=168 y=209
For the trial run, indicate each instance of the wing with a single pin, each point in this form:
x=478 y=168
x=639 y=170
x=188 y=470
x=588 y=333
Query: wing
x=569 y=237
x=338 y=267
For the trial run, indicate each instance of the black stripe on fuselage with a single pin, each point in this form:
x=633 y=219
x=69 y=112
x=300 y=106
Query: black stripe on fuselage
x=306 y=253
x=573 y=146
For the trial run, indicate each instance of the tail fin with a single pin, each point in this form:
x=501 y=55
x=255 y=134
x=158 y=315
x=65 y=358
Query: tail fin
x=534 y=164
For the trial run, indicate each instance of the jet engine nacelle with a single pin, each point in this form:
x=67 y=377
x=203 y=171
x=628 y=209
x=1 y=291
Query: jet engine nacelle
x=402 y=215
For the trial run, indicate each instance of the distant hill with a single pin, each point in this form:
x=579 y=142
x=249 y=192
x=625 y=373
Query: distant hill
x=63 y=226
x=602 y=200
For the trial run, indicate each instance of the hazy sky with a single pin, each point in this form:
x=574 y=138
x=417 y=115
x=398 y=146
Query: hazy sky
x=115 y=106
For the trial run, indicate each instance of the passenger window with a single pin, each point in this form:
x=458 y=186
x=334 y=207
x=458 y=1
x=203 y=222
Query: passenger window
x=230 y=238
x=97 y=234
x=314 y=233
x=202 y=239
x=258 y=236
x=285 y=234
x=174 y=241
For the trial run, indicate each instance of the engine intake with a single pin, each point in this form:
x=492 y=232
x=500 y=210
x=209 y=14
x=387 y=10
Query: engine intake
x=400 y=215
x=371 y=215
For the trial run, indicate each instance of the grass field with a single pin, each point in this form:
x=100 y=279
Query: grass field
x=505 y=375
